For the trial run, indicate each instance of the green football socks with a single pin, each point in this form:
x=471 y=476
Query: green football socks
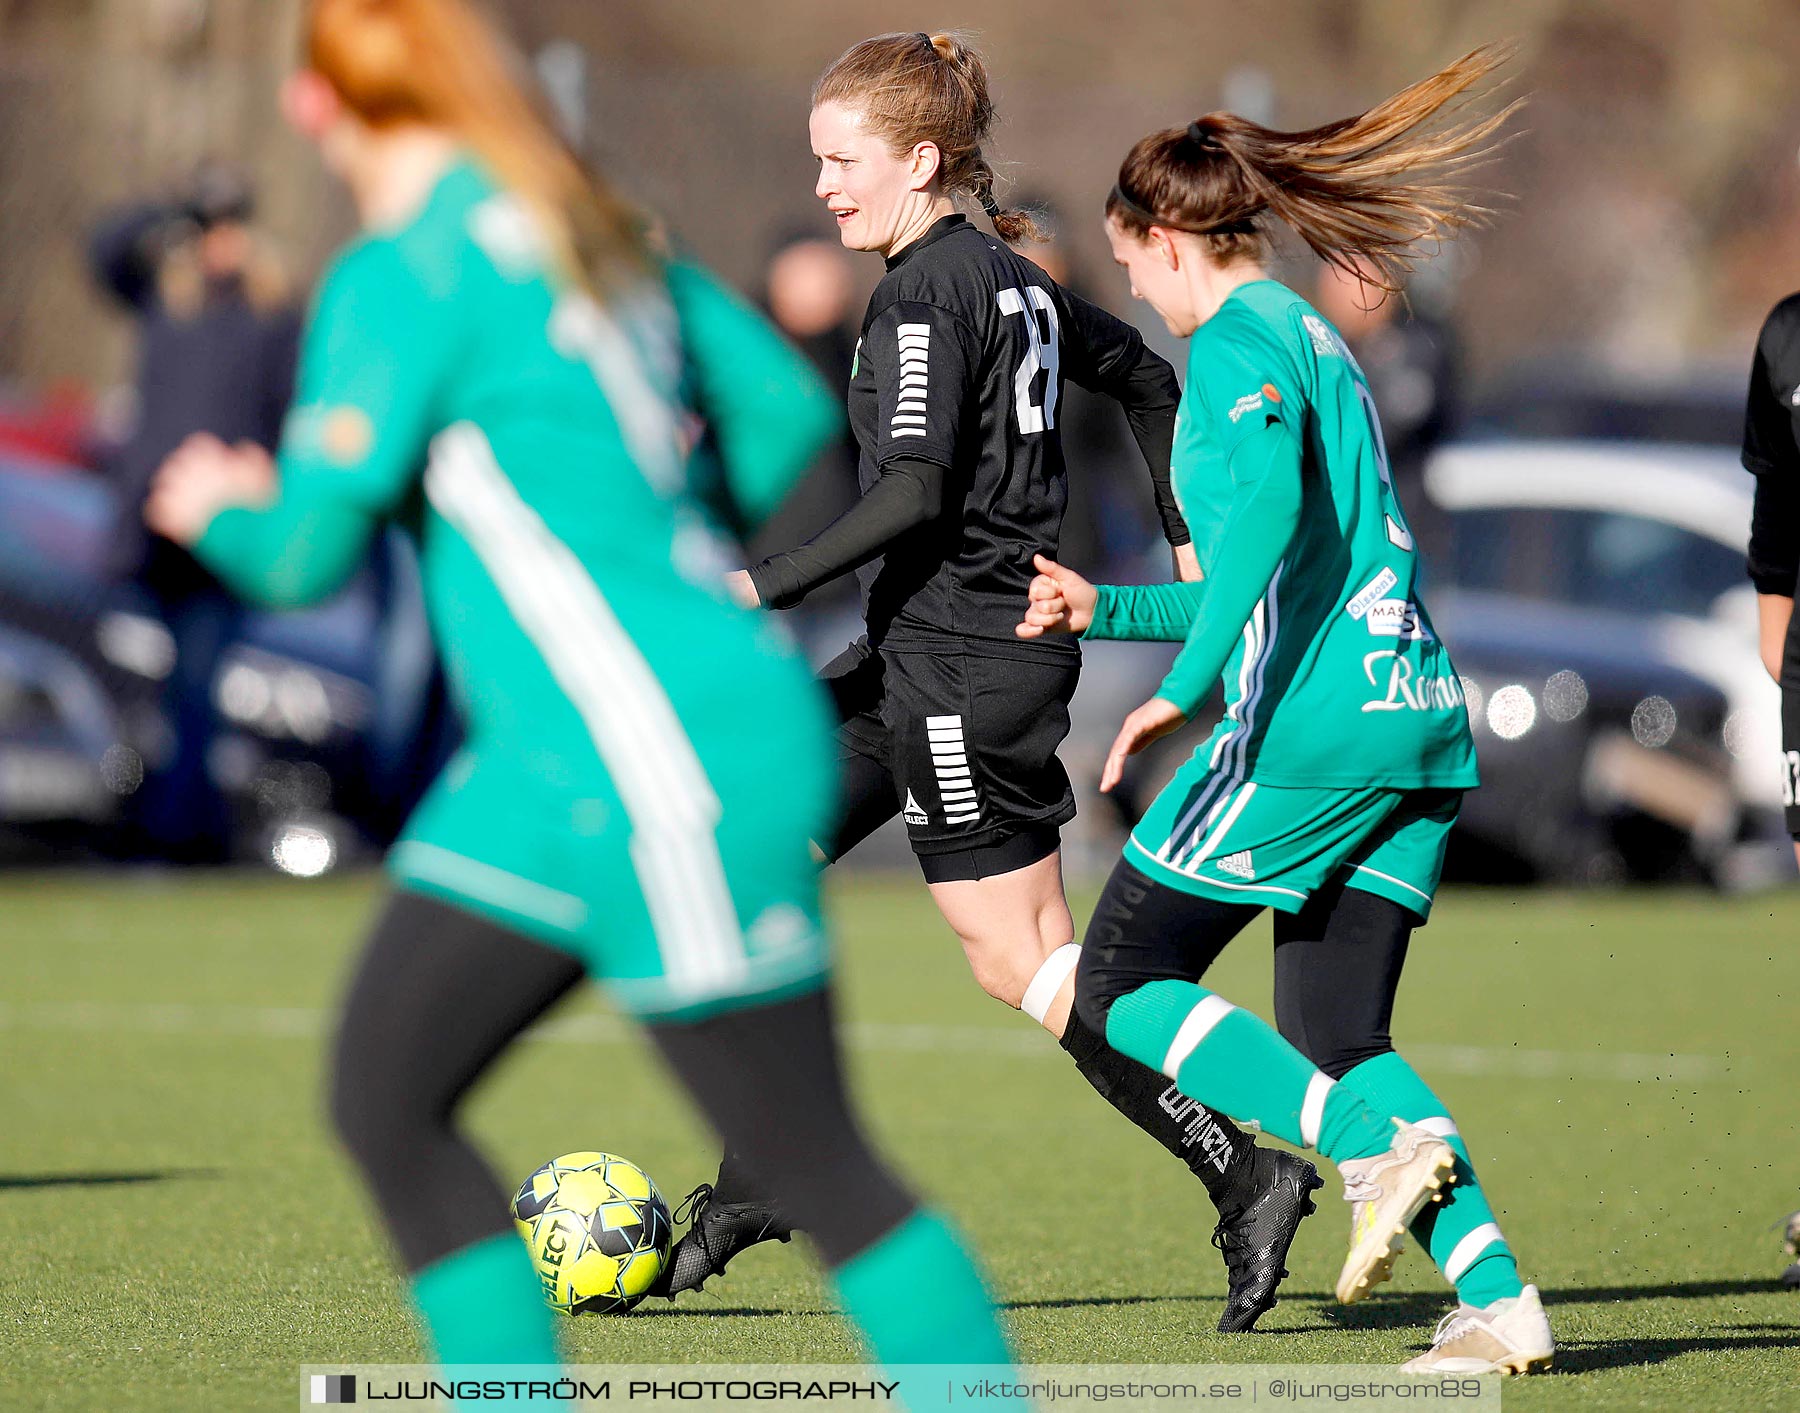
x=1233 y=1061
x=483 y=1305
x=881 y=1289
x=1460 y=1232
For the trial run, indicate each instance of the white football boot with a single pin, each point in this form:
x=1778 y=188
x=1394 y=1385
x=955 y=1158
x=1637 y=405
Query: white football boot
x=1507 y=1337
x=1386 y=1192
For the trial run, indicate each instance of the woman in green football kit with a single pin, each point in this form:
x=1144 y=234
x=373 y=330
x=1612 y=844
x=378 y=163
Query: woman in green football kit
x=1328 y=790
x=503 y=365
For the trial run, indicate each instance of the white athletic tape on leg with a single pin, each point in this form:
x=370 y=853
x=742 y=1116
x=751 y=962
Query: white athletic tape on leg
x=1469 y=1248
x=1211 y=1010
x=1049 y=979
x=1440 y=1127
x=1312 y=1108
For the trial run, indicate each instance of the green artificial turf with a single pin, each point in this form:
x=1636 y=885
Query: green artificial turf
x=177 y=1231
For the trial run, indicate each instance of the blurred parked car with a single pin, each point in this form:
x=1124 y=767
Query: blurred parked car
x=1556 y=401
x=1593 y=593
x=337 y=714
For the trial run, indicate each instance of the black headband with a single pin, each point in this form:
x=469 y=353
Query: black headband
x=1205 y=136
x=1240 y=225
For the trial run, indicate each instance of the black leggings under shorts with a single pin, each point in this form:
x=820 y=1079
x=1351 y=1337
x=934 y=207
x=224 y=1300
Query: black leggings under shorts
x=1337 y=961
x=439 y=995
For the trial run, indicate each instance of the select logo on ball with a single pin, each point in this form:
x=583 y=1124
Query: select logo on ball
x=598 y=1230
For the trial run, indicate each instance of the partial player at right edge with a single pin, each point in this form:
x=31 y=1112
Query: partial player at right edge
x=1772 y=454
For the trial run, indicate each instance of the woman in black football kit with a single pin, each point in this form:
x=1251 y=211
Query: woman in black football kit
x=949 y=719
x=1772 y=452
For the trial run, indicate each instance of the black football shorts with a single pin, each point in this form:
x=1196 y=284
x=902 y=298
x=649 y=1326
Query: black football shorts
x=1790 y=754
x=962 y=745
x=1790 y=727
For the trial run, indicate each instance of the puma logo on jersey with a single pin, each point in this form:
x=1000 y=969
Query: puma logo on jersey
x=1238 y=864
x=912 y=813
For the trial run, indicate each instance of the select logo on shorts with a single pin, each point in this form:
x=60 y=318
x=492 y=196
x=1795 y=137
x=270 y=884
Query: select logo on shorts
x=950 y=762
x=333 y=1388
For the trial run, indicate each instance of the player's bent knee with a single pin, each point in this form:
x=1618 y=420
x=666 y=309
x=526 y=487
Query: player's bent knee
x=1000 y=979
x=359 y=1118
x=380 y=1124
x=1003 y=964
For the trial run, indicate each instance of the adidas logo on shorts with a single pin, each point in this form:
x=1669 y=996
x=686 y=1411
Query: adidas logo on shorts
x=1237 y=864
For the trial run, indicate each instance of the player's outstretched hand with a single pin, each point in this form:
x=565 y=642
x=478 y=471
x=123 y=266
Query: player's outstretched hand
x=742 y=589
x=1155 y=719
x=1060 y=601
x=200 y=478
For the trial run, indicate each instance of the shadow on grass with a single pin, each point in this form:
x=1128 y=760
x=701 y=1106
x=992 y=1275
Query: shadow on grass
x=1587 y=1356
x=22 y=1181
x=1392 y=1310
x=1385 y=1310
x=1673 y=1290
x=712 y=1311
x=1077 y=1302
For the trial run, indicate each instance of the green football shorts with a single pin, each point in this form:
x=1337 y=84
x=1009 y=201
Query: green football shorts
x=1239 y=841
x=700 y=897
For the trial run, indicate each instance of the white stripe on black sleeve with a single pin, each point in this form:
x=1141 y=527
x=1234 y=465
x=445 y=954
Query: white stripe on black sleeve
x=915 y=381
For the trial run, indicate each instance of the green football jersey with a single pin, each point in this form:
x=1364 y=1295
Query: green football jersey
x=644 y=761
x=527 y=436
x=1309 y=610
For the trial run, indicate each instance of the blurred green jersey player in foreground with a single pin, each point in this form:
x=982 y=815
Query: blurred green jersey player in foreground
x=564 y=420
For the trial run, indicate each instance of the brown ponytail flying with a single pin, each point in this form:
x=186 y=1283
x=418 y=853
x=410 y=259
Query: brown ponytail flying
x=915 y=87
x=1364 y=192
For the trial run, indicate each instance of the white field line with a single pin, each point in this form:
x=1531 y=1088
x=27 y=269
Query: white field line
x=1020 y=1041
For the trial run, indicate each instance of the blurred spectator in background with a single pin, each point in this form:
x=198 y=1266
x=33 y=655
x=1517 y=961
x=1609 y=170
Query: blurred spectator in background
x=217 y=342
x=1411 y=361
x=809 y=292
x=1111 y=519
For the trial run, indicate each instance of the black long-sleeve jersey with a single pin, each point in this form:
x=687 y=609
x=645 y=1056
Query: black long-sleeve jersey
x=1772 y=451
x=961 y=364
